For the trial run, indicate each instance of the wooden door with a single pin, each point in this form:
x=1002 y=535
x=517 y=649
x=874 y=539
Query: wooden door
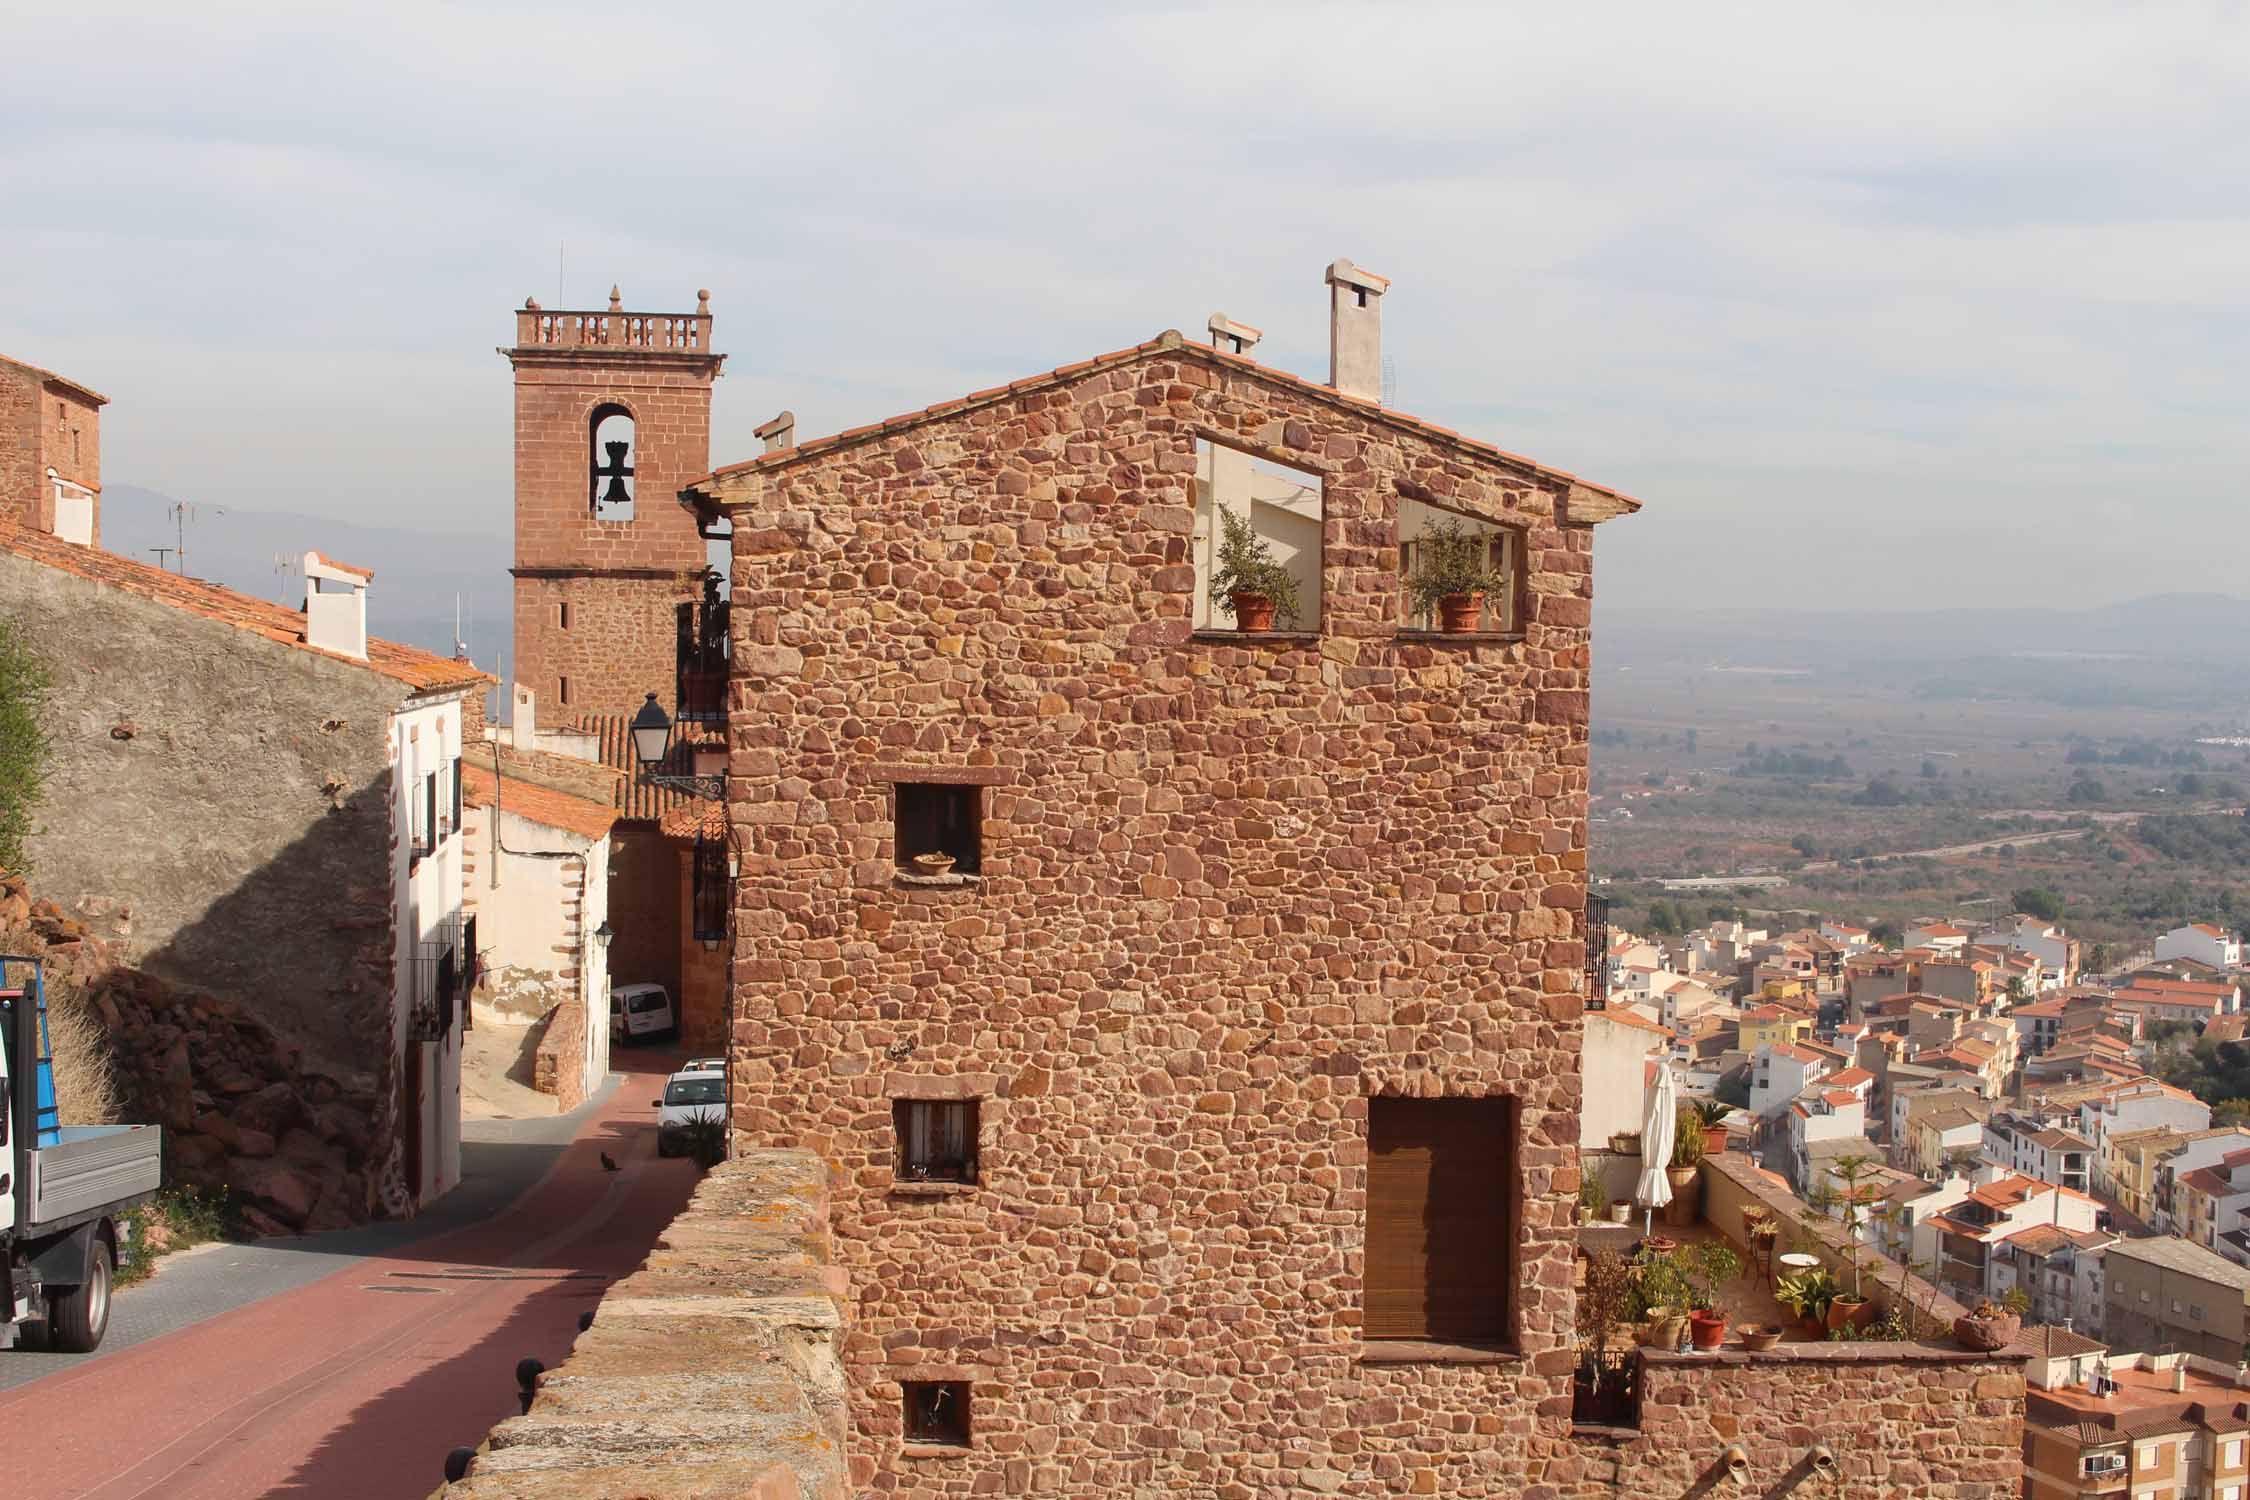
x=1441 y=1238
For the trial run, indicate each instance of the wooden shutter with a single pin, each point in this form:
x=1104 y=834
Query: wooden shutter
x=1441 y=1235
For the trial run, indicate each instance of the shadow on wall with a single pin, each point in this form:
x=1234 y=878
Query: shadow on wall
x=260 y=1035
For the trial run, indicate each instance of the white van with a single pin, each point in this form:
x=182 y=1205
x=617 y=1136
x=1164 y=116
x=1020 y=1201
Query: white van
x=640 y=1010
x=688 y=1096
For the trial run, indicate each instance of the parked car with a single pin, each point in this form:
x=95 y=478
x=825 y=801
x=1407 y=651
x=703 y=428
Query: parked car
x=640 y=1010
x=704 y=1065
x=688 y=1097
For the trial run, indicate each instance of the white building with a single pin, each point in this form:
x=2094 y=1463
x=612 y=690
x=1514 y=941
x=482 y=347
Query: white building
x=1937 y=937
x=1779 y=1073
x=2055 y=950
x=2203 y=943
x=2044 y=1153
x=2141 y=1104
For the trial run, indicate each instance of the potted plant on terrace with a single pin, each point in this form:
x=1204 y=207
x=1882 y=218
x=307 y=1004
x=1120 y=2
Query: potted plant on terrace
x=1681 y=1171
x=1849 y=1310
x=1808 y=1293
x=1710 y=1267
x=1661 y=1293
x=1601 y=1385
x=1992 y=1325
x=1249 y=585
x=1452 y=574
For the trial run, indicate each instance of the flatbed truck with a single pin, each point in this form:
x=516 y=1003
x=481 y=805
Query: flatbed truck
x=64 y=1189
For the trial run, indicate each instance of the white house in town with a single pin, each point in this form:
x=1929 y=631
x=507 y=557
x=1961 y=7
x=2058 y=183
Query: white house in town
x=2203 y=943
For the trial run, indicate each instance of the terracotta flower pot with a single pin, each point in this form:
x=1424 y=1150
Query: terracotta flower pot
x=932 y=864
x=1252 y=611
x=1687 y=1200
x=1625 y=1143
x=1759 y=1335
x=1708 y=1329
x=1459 y=614
x=1663 y=1328
x=1848 y=1312
x=1659 y=1244
x=1987 y=1334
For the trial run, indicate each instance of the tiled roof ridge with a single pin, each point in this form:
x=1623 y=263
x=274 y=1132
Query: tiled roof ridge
x=1171 y=341
x=542 y=804
x=422 y=671
x=44 y=374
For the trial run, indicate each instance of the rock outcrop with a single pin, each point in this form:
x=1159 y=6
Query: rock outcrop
x=300 y=1148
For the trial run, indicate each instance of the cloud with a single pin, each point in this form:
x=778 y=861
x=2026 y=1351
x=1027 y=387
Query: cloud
x=1868 y=303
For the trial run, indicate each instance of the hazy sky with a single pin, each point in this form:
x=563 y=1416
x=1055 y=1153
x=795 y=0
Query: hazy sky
x=1873 y=306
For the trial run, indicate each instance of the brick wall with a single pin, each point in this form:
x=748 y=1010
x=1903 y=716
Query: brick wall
x=22 y=492
x=71 y=444
x=1230 y=890
x=621 y=577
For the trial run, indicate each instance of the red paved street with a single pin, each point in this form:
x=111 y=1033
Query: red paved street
x=354 y=1387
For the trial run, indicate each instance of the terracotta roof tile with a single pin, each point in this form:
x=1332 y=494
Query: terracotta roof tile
x=638 y=801
x=541 y=804
x=342 y=567
x=63 y=380
x=422 y=671
x=1170 y=344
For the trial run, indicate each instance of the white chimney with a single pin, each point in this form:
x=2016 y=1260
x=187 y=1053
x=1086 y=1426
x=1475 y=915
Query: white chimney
x=523 y=718
x=2179 y=1376
x=1241 y=335
x=779 y=433
x=1355 y=330
x=336 y=615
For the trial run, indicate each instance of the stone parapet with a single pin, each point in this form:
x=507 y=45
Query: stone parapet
x=710 y=1373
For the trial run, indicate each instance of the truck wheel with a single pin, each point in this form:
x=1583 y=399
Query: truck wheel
x=77 y=1319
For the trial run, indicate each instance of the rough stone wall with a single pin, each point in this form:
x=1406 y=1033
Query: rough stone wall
x=710 y=1373
x=621 y=577
x=1231 y=888
x=559 y=1064
x=228 y=798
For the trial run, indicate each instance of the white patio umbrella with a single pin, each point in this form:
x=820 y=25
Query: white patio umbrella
x=1655 y=1189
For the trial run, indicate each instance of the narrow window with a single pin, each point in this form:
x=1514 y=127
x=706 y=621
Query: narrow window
x=1441 y=1219
x=612 y=456
x=939 y=821
x=562 y=615
x=1257 y=542
x=1453 y=567
x=937 y=1139
x=937 y=1411
x=710 y=889
x=562 y=690
x=456 y=791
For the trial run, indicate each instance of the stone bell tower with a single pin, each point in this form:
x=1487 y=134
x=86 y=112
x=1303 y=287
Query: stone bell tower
x=613 y=416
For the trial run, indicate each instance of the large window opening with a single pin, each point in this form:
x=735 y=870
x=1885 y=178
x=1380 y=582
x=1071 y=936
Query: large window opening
x=1445 y=558
x=710 y=885
x=1442 y=1195
x=1257 y=537
x=940 y=822
x=612 y=455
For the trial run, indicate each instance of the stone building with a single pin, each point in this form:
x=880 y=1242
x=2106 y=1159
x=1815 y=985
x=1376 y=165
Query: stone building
x=50 y=453
x=1212 y=1122
x=616 y=600
x=263 y=804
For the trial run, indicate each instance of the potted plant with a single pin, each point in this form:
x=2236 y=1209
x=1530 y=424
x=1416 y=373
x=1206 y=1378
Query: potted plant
x=1758 y=1335
x=1808 y=1293
x=1760 y=1224
x=1625 y=1143
x=1593 y=1203
x=1992 y=1325
x=1452 y=574
x=1661 y=1291
x=1251 y=587
x=1601 y=1385
x=1852 y=1309
x=1709 y=1267
x=1682 y=1171
x=1621 y=1211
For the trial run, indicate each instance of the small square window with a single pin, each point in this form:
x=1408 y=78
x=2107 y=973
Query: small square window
x=937 y=1139
x=938 y=820
x=937 y=1411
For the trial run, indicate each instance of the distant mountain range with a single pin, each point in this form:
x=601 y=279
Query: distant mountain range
x=2165 y=650
x=419 y=575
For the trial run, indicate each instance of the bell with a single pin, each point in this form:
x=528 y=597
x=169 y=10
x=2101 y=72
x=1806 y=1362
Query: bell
x=616 y=471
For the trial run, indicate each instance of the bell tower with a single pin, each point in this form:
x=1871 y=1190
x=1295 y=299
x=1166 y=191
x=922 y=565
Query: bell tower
x=613 y=416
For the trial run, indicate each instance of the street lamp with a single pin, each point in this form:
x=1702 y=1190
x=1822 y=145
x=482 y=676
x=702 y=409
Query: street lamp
x=604 y=933
x=652 y=743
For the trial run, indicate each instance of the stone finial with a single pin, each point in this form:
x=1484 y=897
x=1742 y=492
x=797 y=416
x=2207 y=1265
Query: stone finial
x=779 y=433
x=616 y=303
x=703 y=300
x=1241 y=335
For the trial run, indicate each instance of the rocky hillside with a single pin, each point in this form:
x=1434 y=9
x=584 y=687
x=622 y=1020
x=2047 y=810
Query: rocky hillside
x=239 y=1110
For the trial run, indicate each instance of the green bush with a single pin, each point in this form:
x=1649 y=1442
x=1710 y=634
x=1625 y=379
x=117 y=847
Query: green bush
x=24 y=686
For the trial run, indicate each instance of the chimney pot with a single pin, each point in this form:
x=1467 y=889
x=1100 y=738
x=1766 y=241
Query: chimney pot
x=1355 y=330
x=1242 y=335
x=523 y=718
x=336 y=620
x=779 y=433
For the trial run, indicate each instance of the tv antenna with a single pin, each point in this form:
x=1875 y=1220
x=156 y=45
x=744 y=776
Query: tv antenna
x=161 y=554
x=285 y=564
x=182 y=511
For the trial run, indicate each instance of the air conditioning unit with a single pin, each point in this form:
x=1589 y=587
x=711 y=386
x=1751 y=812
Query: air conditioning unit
x=2106 y=1463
